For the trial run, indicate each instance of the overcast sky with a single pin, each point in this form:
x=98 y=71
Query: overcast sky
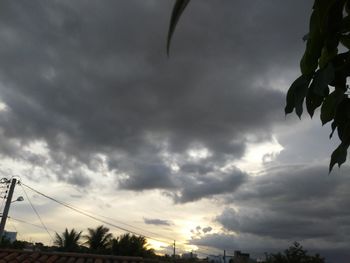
x=194 y=147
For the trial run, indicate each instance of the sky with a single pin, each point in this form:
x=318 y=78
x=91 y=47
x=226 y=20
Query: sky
x=194 y=147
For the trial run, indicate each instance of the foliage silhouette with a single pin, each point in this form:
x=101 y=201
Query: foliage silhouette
x=294 y=254
x=131 y=245
x=324 y=70
x=68 y=241
x=98 y=239
x=5 y=242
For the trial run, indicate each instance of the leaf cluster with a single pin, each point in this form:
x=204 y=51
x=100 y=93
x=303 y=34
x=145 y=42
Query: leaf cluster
x=294 y=254
x=324 y=71
x=100 y=240
x=68 y=240
x=131 y=245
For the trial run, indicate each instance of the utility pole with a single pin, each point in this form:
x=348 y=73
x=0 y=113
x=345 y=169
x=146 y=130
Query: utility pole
x=224 y=256
x=174 y=251
x=7 y=207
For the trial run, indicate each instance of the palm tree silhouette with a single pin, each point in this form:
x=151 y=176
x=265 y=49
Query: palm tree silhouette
x=68 y=240
x=98 y=239
x=131 y=245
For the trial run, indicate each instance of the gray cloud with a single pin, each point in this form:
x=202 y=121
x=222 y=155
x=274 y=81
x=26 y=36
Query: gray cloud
x=194 y=188
x=88 y=84
x=77 y=77
x=145 y=177
x=157 y=222
x=275 y=225
x=207 y=229
x=300 y=203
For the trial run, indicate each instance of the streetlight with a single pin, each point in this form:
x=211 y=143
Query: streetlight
x=19 y=199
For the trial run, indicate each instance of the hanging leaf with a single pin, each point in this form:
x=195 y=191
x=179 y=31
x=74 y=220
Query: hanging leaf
x=345 y=40
x=345 y=24
x=178 y=9
x=330 y=105
x=296 y=95
x=323 y=8
x=313 y=101
x=342 y=119
x=327 y=56
x=338 y=156
x=341 y=115
x=322 y=79
x=334 y=126
x=314 y=45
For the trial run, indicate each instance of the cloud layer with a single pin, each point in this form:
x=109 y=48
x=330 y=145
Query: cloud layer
x=88 y=94
x=299 y=203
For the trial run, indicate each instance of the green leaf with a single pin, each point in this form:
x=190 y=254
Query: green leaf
x=322 y=79
x=342 y=113
x=313 y=101
x=345 y=24
x=323 y=7
x=344 y=133
x=296 y=95
x=345 y=40
x=314 y=45
x=178 y=9
x=334 y=126
x=338 y=156
x=330 y=105
x=327 y=56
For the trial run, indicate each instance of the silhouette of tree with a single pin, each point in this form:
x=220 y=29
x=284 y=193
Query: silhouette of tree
x=68 y=240
x=294 y=254
x=324 y=69
x=131 y=245
x=98 y=239
x=5 y=242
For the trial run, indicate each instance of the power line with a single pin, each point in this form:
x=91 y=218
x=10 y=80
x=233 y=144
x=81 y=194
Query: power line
x=87 y=214
x=120 y=222
x=36 y=212
x=91 y=216
x=28 y=223
x=152 y=233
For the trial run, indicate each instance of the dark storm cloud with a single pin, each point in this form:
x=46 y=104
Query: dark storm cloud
x=146 y=176
x=157 y=222
x=275 y=225
x=299 y=203
x=181 y=186
x=93 y=77
x=193 y=188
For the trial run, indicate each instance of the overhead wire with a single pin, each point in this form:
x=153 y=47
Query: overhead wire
x=36 y=212
x=92 y=216
x=13 y=225
x=28 y=223
x=120 y=222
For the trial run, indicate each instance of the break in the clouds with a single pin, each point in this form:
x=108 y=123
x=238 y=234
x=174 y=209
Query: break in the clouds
x=157 y=221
